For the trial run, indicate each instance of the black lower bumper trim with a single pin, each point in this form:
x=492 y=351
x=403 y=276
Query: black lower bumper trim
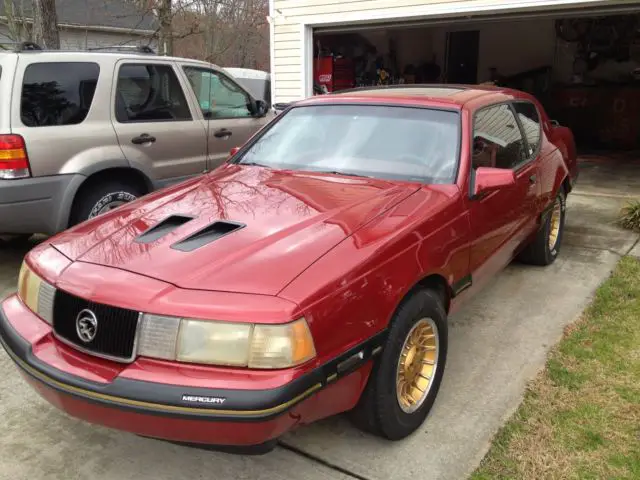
x=183 y=401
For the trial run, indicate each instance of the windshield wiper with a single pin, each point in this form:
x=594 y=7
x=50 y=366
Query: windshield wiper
x=254 y=164
x=348 y=174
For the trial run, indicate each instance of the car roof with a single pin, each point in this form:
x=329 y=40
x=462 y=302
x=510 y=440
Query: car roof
x=107 y=53
x=445 y=95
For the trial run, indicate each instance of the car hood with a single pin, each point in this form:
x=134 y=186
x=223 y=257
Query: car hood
x=255 y=229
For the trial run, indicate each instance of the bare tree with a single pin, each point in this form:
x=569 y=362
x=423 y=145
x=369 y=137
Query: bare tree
x=226 y=32
x=45 y=24
x=17 y=24
x=164 y=11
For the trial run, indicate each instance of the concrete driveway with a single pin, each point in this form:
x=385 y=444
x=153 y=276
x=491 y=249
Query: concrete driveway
x=498 y=343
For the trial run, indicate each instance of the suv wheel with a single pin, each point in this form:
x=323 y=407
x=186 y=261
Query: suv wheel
x=102 y=198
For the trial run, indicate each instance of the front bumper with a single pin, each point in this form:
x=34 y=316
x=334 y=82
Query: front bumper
x=37 y=205
x=235 y=417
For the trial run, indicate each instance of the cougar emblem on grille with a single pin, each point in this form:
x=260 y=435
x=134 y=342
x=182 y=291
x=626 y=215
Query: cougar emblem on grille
x=86 y=325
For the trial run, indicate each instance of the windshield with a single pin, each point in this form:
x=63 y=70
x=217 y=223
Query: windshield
x=402 y=143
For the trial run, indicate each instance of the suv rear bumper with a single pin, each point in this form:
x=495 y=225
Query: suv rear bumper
x=37 y=205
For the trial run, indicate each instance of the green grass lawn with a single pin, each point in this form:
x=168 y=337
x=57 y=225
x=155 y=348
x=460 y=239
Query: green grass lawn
x=580 y=419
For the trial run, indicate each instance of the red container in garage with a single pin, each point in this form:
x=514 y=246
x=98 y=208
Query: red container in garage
x=334 y=73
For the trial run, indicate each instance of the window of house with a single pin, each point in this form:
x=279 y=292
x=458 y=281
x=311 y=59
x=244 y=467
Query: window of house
x=497 y=139
x=57 y=93
x=218 y=96
x=530 y=120
x=150 y=93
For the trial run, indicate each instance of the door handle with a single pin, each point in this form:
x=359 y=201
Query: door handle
x=222 y=133
x=142 y=139
x=533 y=179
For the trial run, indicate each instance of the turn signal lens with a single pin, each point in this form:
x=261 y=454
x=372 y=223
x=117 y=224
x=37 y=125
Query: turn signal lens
x=281 y=346
x=14 y=162
x=29 y=287
x=35 y=293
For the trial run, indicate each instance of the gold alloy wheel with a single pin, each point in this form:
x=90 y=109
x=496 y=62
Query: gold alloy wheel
x=417 y=365
x=554 y=230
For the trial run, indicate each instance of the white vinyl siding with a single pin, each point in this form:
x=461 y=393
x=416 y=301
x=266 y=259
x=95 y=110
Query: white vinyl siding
x=289 y=16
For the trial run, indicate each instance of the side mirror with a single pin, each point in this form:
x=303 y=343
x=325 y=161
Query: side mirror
x=488 y=179
x=258 y=108
x=233 y=151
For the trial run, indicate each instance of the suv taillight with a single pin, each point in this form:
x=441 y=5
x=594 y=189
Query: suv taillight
x=14 y=162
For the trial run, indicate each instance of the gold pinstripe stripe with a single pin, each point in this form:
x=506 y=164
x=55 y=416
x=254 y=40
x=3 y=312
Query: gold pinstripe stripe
x=158 y=406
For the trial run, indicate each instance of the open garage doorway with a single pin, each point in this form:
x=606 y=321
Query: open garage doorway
x=584 y=69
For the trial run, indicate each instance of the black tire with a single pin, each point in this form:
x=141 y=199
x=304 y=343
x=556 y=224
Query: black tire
x=539 y=252
x=379 y=411
x=93 y=198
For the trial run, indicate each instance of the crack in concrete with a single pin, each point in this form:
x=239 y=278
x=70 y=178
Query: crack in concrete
x=317 y=459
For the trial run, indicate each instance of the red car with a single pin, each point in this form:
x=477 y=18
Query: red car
x=309 y=275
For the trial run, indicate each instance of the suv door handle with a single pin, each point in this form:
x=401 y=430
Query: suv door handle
x=222 y=133
x=532 y=179
x=142 y=139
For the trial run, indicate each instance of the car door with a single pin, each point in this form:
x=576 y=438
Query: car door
x=529 y=119
x=158 y=130
x=501 y=220
x=225 y=105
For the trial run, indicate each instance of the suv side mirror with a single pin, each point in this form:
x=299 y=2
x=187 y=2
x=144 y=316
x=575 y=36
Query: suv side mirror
x=258 y=108
x=488 y=179
x=261 y=108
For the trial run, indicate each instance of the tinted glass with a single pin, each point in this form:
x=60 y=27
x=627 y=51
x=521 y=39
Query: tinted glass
x=497 y=139
x=530 y=120
x=57 y=93
x=150 y=93
x=218 y=96
x=415 y=144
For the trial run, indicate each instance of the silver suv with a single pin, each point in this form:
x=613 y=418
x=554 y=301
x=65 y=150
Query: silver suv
x=84 y=132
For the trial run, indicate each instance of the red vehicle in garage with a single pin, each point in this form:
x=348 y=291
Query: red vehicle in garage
x=309 y=275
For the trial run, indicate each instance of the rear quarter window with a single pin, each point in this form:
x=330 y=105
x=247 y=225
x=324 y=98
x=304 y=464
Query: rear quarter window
x=57 y=93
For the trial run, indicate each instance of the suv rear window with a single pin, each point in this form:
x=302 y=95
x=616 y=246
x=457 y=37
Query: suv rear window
x=57 y=93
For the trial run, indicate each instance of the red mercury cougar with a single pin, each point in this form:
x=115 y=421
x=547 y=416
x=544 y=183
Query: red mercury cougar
x=311 y=274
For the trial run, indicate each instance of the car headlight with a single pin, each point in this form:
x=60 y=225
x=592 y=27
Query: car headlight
x=226 y=343
x=36 y=293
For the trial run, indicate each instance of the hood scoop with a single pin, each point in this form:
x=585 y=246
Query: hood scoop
x=159 y=230
x=207 y=235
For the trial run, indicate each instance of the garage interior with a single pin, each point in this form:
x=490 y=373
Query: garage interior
x=585 y=70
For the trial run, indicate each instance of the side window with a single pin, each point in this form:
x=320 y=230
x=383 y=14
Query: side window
x=497 y=140
x=530 y=120
x=57 y=93
x=218 y=96
x=149 y=93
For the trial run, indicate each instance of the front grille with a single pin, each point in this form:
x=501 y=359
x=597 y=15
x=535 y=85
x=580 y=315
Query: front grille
x=116 y=332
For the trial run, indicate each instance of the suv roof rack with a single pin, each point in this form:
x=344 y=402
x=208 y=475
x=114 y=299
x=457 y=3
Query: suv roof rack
x=136 y=48
x=21 y=46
